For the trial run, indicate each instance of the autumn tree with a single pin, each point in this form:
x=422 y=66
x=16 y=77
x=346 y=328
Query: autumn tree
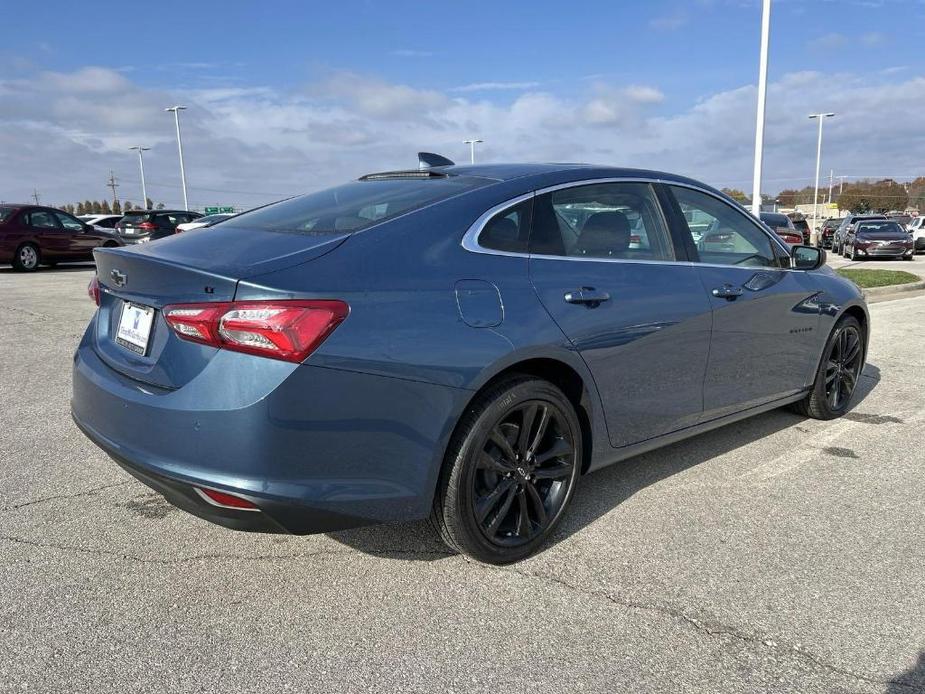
x=737 y=195
x=116 y=207
x=105 y=208
x=127 y=206
x=873 y=196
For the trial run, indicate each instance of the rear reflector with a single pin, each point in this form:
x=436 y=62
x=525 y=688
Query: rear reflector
x=287 y=330
x=225 y=500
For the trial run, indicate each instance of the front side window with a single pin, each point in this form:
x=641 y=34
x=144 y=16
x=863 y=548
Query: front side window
x=612 y=221
x=68 y=222
x=722 y=234
x=508 y=230
x=40 y=219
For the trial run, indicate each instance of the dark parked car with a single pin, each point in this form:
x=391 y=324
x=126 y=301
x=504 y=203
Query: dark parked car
x=140 y=226
x=827 y=231
x=32 y=235
x=462 y=342
x=838 y=239
x=878 y=239
x=802 y=226
x=782 y=225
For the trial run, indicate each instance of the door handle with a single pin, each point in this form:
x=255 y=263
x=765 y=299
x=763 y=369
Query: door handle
x=728 y=292
x=589 y=296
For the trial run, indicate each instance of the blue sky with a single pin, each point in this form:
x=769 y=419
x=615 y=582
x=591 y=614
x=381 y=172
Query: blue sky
x=302 y=94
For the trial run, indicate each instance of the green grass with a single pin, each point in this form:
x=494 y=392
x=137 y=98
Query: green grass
x=877 y=278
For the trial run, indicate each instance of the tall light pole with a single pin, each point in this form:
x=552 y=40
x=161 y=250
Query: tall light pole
x=141 y=163
x=762 y=96
x=472 y=144
x=176 y=113
x=820 y=117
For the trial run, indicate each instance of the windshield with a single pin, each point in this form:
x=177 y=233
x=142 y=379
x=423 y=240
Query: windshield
x=6 y=212
x=867 y=228
x=354 y=206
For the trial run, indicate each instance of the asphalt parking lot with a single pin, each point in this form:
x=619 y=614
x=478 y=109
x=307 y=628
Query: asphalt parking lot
x=776 y=555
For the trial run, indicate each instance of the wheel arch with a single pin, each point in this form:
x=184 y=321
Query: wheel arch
x=567 y=372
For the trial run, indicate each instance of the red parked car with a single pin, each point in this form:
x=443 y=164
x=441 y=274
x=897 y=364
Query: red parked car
x=32 y=235
x=782 y=225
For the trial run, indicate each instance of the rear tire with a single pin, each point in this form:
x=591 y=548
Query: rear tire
x=838 y=373
x=27 y=258
x=510 y=471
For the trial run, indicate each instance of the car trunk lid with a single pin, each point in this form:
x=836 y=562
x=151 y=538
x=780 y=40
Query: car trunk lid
x=199 y=266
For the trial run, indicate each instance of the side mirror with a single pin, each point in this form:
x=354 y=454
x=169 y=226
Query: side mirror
x=807 y=257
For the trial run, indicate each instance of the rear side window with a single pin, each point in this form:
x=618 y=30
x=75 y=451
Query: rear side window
x=40 y=219
x=729 y=237
x=6 y=213
x=601 y=220
x=508 y=230
x=354 y=206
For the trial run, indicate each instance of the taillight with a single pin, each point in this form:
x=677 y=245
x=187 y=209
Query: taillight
x=147 y=226
x=93 y=290
x=287 y=330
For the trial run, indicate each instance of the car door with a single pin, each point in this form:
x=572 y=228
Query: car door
x=80 y=240
x=604 y=266
x=44 y=225
x=765 y=343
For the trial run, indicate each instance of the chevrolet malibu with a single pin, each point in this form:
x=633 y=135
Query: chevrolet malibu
x=460 y=342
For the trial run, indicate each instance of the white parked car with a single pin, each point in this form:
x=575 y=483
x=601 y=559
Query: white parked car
x=202 y=222
x=917 y=228
x=101 y=221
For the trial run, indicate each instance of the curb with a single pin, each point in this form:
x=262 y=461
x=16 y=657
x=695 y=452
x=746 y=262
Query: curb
x=894 y=288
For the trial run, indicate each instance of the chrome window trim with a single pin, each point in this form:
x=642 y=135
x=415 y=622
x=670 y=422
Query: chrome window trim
x=470 y=238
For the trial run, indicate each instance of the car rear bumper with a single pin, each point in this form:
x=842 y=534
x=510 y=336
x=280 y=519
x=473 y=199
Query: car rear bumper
x=324 y=449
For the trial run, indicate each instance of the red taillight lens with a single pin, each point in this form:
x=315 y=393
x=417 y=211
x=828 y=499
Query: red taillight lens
x=93 y=290
x=217 y=498
x=148 y=226
x=287 y=330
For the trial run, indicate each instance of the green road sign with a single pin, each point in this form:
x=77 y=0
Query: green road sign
x=219 y=210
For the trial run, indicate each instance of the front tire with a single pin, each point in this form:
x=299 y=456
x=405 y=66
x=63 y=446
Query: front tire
x=27 y=258
x=838 y=373
x=510 y=471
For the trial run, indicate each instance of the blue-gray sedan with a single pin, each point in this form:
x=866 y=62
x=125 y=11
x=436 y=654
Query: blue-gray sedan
x=459 y=342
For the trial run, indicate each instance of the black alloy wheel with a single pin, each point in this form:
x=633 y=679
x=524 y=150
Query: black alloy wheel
x=838 y=373
x=843 y=366
x=510 y=471
x=523 y=473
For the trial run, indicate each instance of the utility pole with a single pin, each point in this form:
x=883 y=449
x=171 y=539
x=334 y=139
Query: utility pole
x=841 y=184
x=112 y=184
x=176 y=112
x=762 y=96
x=35 y=195
x=831 y=181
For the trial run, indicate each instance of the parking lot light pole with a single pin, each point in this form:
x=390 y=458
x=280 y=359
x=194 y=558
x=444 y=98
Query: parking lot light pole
x=472 y=144
x=141 y=163
x=813 y=234
x=176 y=113
x=762 y=96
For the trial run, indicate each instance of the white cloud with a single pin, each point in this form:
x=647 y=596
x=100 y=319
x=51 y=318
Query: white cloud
x=62 y=132
x=495 y=86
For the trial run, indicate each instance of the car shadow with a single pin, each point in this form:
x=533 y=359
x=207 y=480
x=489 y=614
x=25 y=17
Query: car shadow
x=603 y=490
x=45 y=269
x=911 y=680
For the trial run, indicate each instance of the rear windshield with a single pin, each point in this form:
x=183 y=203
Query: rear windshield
x=800 y=224
x=354 y=206
x=136 y=217
x=6 y=212
x=775 y=220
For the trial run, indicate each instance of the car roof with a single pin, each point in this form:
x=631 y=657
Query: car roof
x=537 y=175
